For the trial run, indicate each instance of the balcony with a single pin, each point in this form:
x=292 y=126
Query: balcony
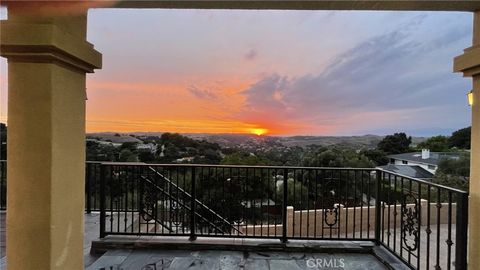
x=420 y=224
x=386 y=217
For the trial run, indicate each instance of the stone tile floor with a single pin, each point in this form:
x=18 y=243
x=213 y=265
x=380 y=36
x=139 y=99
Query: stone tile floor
x=3 y=238
x=125 y=259
x=91 y=233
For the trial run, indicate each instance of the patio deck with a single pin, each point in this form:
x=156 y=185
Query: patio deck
x=91 y=233
x=216 y=259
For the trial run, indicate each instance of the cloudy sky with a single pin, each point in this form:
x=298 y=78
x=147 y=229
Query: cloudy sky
x=290 y=72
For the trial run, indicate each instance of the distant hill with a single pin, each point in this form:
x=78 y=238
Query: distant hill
x=113 y=137
x=235 y=140
x=231 y=140
x=366 y=141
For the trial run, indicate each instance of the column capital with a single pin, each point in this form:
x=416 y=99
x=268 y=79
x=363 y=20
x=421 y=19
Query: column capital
x=468 y=62
x=47 y=43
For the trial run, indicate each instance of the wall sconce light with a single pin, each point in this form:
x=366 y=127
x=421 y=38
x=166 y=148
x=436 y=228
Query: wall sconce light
x=470 y=98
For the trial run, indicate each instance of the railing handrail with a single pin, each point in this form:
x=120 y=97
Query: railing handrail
x=234 y=166
x=426 y=182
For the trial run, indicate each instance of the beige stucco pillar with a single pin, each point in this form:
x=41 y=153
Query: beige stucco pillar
x=469 y=64
x=48 y=58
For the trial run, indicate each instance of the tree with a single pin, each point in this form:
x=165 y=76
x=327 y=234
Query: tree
x=454 y=173
x=101 y=152
x=334 y=157
x=455 y=167
x=177 y=140
x=395 y=144
x=128 y=156
x=171 y=153
x=244 y=158
x=378 y=156
x=209 y=156
x=146 y=156
x=290 y=156
x=297 y=194
x=132 y=146
x=435 y=144
x=461 y=138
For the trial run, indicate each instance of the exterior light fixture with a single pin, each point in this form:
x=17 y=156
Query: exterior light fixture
x=470 y=98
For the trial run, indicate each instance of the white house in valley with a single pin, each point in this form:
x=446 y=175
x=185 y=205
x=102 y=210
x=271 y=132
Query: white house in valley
x=425 y=160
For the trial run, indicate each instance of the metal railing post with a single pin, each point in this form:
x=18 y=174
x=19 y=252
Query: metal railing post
x=102 y=201
x=3 y=185
x=88 y=188
x=192 y=207
x=461 y=231
x=378 y=205
x=284 y=206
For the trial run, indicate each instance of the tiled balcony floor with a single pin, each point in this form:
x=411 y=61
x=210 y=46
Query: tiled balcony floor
x=3 y=237
x=127 y=259
x=91 y=233
x=216 y=260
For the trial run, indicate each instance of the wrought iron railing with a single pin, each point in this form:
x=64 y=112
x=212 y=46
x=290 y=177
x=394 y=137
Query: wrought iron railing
x=3 y=185
x=92 y=186
x=233 y=201
x=422 y=223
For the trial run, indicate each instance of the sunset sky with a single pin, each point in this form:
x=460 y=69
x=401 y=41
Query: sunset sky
x=286 y=72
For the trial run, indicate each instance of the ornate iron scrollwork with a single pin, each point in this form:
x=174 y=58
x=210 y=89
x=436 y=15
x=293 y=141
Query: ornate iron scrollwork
x=238 y=221
x=176 y=213
x=330 y=216
x=410 y=222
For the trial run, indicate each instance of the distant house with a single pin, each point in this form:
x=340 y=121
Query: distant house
x=104 y=143
x=426 y=160
x=149 y=147
x=184 y=159
x=413 y=171
x=257 y=203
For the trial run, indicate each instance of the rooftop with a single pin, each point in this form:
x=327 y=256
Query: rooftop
x=433 y=159
x=409 y=170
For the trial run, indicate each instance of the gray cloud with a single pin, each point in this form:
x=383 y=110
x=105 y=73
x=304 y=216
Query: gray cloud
x=201 y=93
x=392 y=72
x=251 y=55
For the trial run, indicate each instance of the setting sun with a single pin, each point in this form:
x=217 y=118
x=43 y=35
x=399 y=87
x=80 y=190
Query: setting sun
x=259 y=131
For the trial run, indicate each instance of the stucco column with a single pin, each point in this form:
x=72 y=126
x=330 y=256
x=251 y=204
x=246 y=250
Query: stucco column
x=469 y=64
x=48 y=58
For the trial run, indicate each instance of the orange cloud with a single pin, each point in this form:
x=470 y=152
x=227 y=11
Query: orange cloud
x=128 y=107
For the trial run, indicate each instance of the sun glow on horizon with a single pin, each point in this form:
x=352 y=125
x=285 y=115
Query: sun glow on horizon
x=259 y=131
